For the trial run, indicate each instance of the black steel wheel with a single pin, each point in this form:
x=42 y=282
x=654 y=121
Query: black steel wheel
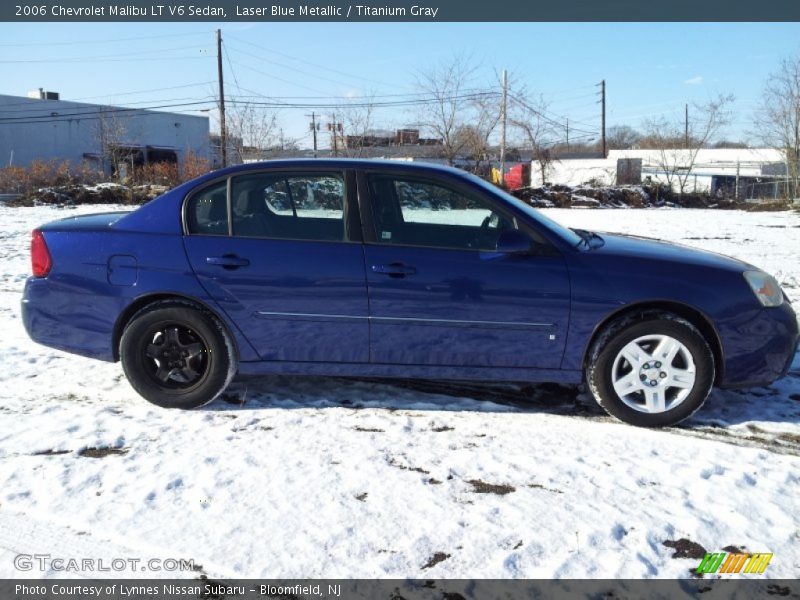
x=177 y=356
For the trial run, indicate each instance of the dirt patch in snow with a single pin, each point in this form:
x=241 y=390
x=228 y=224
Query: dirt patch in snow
x=102 y=452
x=435 y=560
x=393 y=462
x=685 y=549
x=539 y=486
x=482 y=487
x=51 y=452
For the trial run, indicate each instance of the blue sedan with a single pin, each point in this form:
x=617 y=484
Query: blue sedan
x=384 y=269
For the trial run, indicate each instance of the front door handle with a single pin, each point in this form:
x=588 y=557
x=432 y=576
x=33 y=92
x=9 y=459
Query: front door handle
x=395 y=269
x=227 y=261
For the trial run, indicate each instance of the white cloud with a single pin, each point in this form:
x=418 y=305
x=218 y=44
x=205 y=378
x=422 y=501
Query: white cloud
x=698 y=80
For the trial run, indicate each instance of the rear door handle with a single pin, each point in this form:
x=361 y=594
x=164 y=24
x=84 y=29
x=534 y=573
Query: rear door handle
x=395 y=269
x=227 y=261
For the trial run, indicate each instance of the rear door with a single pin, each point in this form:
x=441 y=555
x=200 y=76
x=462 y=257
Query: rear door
x=280 y=251
x=440 y=294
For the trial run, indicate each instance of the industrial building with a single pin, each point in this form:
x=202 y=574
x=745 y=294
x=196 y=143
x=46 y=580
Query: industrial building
x=745 y=173
x=112 y=138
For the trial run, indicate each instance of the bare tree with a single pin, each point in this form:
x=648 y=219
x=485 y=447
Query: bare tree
x=777 y=123
x=484 y=117
x=527 y=116
x=110 y=131
x=251 y=130
x=446 y=84
x=621 y=137
x=677 y=144
x=357 y=119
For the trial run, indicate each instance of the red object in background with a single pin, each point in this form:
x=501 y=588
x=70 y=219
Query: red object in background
x=516 y=176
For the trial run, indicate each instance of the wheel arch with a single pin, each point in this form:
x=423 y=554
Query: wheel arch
x=643 y=309
x=143 y=302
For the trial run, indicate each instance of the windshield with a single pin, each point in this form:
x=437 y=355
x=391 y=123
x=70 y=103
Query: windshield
x=559 y=230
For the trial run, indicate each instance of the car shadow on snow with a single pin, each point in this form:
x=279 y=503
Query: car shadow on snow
x=753 y=409
x=287 y=392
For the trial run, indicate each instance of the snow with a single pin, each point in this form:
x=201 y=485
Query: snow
x=326 y=477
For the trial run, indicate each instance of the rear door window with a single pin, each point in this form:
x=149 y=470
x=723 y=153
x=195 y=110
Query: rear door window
x=299 y=206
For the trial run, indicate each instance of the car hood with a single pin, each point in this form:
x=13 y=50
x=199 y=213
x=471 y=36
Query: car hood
x=653 y=249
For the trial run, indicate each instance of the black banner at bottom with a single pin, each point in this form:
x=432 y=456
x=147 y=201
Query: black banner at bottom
x=394 y=589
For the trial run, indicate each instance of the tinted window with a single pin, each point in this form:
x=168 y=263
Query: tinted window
x=207 y=211
x=424 y=213
x=298 y=206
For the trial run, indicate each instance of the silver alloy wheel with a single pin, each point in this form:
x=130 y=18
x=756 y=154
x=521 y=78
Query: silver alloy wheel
x=653 y=373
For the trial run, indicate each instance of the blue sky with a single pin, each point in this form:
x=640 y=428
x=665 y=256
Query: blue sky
x=650 y=68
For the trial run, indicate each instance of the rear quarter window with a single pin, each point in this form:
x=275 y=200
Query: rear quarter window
x=207 y=211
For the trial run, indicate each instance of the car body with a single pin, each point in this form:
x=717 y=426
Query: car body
x=389 y=269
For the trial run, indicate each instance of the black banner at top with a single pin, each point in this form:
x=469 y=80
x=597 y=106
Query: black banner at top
x=399 y=10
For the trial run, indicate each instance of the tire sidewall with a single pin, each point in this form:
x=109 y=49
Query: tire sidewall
x=214 y=379
x=600 y=369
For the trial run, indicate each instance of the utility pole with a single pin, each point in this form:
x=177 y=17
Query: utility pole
x=796 y=151
x=504 y=113
x=314 y=131
x=223 y=134
x=333 y=127
x=686 y=126
x=567 y=134
x=603 y=121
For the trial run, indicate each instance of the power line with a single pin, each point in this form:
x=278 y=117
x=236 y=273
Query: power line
x=366 y=104
x=312 y=64
x=287 y=81
x=105 y=57
x=288 y=67
x=112 y=41
x=543 y=115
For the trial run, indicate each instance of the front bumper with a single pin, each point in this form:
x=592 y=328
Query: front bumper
x=758 y=347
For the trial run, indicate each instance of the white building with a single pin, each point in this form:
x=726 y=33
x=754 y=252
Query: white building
x=712 y=170
x=43 y=127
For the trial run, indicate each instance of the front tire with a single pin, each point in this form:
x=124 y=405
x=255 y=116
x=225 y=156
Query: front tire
x=651 y=371
x=177 y=356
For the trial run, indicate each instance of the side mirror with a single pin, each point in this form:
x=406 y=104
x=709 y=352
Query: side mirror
x=513 y=241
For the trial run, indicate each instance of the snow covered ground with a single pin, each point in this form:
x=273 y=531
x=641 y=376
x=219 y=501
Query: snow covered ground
x=324 y=477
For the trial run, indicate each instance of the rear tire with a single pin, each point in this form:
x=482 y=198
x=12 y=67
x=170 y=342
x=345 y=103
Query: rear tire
x=177 y=356
x=651 y=371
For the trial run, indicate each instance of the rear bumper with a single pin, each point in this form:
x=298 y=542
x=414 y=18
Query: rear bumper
x=68 y=320
x=758 y=349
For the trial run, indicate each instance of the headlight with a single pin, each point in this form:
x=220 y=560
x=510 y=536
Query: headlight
x=765 y=287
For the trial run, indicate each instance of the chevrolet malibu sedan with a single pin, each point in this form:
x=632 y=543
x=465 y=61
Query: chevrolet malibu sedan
x=384 y=269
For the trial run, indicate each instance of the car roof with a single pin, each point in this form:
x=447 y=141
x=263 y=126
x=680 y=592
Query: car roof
x=338 y=163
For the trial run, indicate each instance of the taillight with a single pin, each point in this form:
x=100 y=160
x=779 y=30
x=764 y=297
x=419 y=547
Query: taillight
x=41 y=262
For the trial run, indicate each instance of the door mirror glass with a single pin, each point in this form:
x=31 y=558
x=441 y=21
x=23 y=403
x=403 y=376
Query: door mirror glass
x=514 y=241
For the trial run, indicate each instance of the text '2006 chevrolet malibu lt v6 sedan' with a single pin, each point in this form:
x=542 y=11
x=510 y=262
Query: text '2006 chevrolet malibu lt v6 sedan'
x=368 y=268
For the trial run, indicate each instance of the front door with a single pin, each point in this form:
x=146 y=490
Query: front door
x=284 y=268
x=440 y=294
